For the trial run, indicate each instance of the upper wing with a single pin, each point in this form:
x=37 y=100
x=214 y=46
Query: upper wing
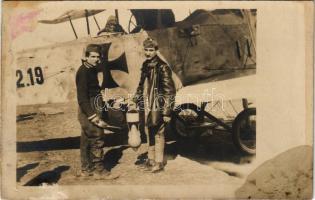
x=71 y=14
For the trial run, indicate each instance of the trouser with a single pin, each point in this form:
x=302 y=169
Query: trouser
x=91 y=144
x=156 y=142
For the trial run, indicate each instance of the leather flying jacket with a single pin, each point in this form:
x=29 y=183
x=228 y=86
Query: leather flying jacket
x=159 y=76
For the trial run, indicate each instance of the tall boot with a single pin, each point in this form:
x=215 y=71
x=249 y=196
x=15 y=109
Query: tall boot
x=159 y=151
x=151 y=150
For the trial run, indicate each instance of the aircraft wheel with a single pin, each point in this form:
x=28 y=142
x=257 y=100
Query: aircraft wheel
x=244 y=131
x=183 y=116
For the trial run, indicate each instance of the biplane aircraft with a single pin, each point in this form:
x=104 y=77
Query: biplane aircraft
x=205 y=47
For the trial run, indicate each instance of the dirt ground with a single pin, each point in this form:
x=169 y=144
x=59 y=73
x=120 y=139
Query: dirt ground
x=48 y=153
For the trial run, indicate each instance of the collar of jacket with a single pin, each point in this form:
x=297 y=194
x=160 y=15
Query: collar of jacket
x=152 y=63
x=88 y=65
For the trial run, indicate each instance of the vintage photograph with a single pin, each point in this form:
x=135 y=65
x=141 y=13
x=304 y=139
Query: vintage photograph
x=142 y=96
x=123 y=104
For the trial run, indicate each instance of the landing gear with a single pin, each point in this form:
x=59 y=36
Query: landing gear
x=189 y=121
x=244 y=131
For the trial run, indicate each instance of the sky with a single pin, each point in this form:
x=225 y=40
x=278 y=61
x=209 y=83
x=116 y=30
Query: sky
x=45 y=34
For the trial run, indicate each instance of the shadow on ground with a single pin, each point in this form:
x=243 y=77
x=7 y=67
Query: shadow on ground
x=65 y=143
x=112 y=157
x=205 y=148
x=48 y=177
x=21 y=171
x=49 y=144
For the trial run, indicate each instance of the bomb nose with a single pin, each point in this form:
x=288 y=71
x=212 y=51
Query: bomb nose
x=134 y=139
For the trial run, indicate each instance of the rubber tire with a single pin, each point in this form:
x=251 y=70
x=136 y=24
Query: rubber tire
x=236 y=131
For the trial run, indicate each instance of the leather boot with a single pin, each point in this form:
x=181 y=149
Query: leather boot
x=104 y=175
x=148 y=165
x=158 y=167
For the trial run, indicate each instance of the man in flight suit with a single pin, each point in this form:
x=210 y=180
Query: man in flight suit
x=161 y=95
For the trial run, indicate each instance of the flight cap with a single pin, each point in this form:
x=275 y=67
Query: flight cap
x=150 y=43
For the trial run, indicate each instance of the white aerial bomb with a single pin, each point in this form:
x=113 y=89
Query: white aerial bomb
x=134 y=139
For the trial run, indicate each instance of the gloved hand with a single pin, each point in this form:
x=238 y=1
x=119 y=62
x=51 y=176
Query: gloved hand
x=132 y=105
x=166 y=119
x=136 y=98
x=99 y=122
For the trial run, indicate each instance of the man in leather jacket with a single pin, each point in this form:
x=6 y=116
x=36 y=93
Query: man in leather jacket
x=156 y=81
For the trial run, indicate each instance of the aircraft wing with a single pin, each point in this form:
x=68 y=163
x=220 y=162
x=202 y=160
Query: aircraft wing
x=72 y=14
x=243 y=87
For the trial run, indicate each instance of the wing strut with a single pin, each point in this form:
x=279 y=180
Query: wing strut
x=117 y=16
x=96 y=23
x=75 y=34
x=87 y=21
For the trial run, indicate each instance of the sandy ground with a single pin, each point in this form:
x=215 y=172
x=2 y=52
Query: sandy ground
x=288 y=175
x=48 y=152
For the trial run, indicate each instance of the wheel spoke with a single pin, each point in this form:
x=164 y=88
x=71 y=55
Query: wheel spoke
x=187 y=117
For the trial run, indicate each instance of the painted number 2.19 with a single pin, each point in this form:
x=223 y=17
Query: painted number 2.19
x=38 y=73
